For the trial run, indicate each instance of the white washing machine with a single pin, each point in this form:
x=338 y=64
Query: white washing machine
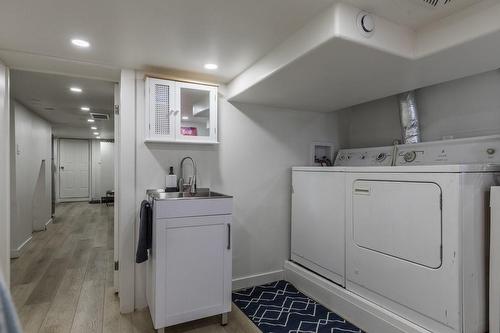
x=416 y=232
x=318 y=212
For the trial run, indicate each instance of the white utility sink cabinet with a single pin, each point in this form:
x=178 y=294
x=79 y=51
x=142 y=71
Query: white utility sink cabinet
x=189 y=268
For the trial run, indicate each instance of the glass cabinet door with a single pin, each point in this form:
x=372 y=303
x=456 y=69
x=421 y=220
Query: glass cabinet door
x=197 y=117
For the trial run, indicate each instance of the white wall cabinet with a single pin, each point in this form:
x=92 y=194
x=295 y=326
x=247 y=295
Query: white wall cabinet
x=189 y=271
x=180 y=112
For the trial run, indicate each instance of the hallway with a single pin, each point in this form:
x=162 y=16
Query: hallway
x=63 y=282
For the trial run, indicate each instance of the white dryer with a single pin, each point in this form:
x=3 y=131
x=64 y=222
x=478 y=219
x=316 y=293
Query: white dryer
x=416 y=233
x=318 y=211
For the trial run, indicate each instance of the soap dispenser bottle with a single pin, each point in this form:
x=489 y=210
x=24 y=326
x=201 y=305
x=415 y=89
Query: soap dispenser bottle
x=171 y=181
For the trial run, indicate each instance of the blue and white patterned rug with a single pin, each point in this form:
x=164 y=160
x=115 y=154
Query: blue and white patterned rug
x=280 y=308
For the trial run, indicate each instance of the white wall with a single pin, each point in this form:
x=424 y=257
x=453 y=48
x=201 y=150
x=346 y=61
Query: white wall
x=4 y=173
x=31 y=177
x=107 y=167
x=460 y=108
x=95 y=170
x=102 y=175
x=258 y=146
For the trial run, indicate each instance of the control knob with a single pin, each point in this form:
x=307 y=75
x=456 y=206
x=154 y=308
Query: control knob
x=410 y=156
x=381 y=157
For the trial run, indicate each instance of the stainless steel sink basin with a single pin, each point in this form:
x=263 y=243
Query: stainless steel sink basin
x=199 y=194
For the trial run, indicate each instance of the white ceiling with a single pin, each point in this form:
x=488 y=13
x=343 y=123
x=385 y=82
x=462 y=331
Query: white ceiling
x=42 y=92
x=178 y=34
x=329 y=65
x=173 y=34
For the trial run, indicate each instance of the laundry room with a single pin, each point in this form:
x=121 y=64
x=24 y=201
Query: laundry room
x=237 y=166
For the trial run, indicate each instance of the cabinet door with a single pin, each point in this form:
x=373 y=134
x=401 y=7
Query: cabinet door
x=318 y=223
x=197 y=121
x=197 y=279
x=160 y=122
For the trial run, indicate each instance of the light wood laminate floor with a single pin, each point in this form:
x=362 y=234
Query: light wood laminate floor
x=63 y=281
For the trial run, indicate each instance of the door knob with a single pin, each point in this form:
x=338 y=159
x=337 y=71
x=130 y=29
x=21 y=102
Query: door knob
x=62 y=168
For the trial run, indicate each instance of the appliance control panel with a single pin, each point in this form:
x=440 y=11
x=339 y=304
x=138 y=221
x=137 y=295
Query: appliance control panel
x=378 y=156
x=484 y=150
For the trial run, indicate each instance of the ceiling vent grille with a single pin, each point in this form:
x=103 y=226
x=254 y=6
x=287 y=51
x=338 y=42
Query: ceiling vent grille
x=447 y=5
x=436 y=3
x=99 y=116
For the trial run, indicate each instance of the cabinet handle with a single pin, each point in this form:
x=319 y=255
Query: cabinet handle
x=229 y=237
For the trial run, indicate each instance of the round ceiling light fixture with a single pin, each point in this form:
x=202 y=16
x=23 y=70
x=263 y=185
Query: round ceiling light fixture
x=96 y=133
x=80 y=43
x=93 y=128
x=211 y=66
x=76 y=89
x=90 y=120
x=85 y=108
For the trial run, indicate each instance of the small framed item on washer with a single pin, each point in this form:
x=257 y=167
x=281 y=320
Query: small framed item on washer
x=321 y=154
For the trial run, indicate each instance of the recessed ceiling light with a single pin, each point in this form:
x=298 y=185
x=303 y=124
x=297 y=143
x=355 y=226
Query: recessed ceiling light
x=85 y=108
x=185 y=117
x=90 y=120
x=96 y=133
x=76 y=89
x=93 y=128
x=80 y=43
x=211 y=66
x=97 y=137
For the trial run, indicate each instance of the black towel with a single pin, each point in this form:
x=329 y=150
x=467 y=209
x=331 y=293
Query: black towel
x=145 y=232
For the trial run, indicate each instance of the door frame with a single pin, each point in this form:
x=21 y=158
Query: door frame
x=89 y=178
x=116 y=164
x=126 y=196
x=5 y=173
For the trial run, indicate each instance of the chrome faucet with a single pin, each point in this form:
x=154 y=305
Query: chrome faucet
x=191 y=185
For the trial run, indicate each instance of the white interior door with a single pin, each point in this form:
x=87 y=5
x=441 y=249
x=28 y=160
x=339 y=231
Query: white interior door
x=73 y=169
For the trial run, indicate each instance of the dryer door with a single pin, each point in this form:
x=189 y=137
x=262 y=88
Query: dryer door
x=399 y=219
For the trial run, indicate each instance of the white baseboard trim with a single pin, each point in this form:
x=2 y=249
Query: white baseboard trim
x=45 y=225
x=16 y=253
x=357 y=310
x=63 y=200
x=257 y=279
